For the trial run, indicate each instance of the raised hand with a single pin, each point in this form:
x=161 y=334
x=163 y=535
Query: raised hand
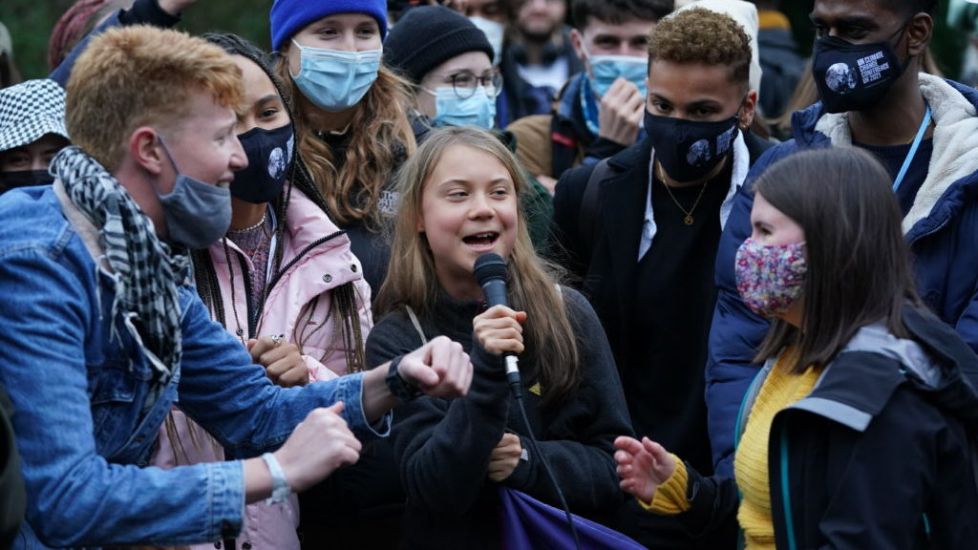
x=317 y=447
x=499 y=330
x=642 y=466
x=440 y=368
x=621 y=114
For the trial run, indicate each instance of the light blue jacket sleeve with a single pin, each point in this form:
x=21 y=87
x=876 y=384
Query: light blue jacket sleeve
x=75 y=496
x=234 y=400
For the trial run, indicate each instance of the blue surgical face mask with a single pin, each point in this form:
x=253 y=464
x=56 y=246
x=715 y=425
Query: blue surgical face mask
x=605 y=69
x=197 y=213
x=451 y=110
x=335 y=80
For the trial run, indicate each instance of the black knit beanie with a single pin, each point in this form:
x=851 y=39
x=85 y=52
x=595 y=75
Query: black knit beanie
x=426 y=37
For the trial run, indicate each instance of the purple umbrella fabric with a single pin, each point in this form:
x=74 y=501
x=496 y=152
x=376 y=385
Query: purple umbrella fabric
x=529 y=524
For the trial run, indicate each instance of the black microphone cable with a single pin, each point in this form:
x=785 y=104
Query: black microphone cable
x=490 y=272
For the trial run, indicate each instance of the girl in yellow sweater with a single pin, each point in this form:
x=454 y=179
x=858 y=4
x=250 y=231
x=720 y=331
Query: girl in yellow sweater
x=859 y=431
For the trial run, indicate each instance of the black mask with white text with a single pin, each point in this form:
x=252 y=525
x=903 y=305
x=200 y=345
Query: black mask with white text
x=854 y=77
x=269 y=162
x=689 y=150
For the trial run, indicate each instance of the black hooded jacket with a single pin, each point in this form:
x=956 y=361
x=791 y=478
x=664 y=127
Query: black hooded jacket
x=875 y=456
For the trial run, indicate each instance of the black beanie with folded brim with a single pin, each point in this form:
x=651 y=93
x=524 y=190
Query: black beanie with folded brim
x=428 y=36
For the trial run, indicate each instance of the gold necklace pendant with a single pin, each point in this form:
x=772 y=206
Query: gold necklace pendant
x=688 y=214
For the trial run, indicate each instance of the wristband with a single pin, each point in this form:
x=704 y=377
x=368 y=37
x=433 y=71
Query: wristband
x=403 y=390
x=280 y=486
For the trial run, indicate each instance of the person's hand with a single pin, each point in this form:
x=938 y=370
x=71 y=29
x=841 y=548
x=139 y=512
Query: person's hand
x=439 y=368
x=499 y=330
x=282 y=361
x=642 y=466
x=505 y=457
x=317 y=447
x=621 y=113
x=175 y=7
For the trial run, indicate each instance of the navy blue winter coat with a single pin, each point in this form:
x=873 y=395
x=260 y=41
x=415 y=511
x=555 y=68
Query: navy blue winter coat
x=941 y=228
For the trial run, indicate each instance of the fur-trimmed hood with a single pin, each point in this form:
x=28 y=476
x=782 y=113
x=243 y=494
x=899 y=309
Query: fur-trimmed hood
x=955 y=156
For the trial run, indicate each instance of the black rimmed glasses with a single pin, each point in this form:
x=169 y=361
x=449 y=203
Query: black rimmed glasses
x=466 y=83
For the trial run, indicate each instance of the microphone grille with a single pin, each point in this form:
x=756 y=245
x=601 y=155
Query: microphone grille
x=489 y=266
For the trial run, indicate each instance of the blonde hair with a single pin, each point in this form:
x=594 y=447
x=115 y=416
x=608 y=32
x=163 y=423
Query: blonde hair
x=411 y=278
x=381 y=133
x=136 y=76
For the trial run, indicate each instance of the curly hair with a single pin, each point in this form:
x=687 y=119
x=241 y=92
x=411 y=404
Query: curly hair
x=703 y=36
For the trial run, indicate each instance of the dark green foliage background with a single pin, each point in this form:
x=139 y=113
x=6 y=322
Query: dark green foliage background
x=30 y=23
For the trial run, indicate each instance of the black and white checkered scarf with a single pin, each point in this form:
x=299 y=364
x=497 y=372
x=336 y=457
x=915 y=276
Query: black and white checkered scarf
x=146 y=273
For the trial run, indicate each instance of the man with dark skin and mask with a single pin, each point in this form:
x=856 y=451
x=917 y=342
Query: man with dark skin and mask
x=866 y=65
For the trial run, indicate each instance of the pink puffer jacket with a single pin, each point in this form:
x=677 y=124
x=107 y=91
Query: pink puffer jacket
x=316 y=259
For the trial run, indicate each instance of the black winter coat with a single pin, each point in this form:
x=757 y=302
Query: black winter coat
x=443 y=446
x=874 y=457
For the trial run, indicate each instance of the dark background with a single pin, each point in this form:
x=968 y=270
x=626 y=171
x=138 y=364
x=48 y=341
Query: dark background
x=30 y=22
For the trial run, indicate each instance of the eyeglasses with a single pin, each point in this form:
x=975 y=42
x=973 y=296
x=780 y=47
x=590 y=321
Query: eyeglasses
x=465 y=83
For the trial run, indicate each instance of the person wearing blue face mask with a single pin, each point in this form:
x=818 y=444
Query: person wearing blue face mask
x=448 y=60
x=351 y=113
x=599 y=112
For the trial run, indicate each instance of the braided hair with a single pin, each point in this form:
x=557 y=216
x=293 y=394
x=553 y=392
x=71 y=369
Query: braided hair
x=344 y=299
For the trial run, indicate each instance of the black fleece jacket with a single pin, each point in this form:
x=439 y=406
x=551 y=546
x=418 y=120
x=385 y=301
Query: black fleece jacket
x=443 y=446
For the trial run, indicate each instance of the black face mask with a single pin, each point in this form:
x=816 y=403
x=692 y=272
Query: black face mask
x=269 y=162
x=854 y=77
x=24 y=178
x=689 y=150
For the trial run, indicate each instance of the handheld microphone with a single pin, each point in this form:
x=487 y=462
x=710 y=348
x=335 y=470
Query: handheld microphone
x=490 y=272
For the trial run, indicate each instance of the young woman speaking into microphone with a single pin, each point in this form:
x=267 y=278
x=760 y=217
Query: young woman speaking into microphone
x=459 y=200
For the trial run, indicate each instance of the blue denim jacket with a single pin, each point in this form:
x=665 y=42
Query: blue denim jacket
x=77 y=393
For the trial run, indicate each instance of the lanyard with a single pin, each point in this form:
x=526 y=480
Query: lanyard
x=924 y=124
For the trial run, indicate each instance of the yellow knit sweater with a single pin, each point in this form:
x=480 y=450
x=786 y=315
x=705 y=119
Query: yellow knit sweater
x=780 y=389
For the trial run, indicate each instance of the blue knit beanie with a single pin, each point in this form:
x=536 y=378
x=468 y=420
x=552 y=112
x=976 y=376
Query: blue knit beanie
x=290 y=16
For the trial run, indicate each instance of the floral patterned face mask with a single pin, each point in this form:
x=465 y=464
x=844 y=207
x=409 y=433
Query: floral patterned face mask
x=770 y=277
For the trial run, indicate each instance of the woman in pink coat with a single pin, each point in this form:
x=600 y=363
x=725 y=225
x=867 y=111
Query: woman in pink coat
x=283 y=280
